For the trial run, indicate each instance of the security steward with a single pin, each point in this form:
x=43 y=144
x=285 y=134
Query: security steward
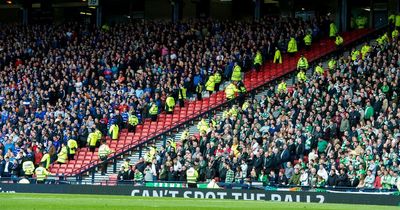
x=217 y=80
x=28 y=167
x=153 y=112
x=104 y=151
x=114 y=131
x=182 y=95
x=133 y=121
x=41 y=174
x=307 y=41
x=292 y=46
x=191 y=177
x=277 y=56
x=242 y=93
x=230 y=91
x=257 y=61
x=72 y=145
x=92 y=141
x=169 y=104
x=237 y=73
x=302 y=64
x=210 y=84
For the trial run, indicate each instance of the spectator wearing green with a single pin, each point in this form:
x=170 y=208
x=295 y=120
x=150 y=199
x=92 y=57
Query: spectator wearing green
x=138 y=177
x=263 y=178
x=230 y=175
x=369 y=111
x=295 y=179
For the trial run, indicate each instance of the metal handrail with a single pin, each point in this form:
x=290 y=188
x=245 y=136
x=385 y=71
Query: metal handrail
x=247 y=186
x=130 y=147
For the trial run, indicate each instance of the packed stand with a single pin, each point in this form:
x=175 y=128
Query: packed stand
x=64 y=87
x=338 y=128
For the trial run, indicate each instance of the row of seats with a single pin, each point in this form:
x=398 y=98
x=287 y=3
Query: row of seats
x=252 y=80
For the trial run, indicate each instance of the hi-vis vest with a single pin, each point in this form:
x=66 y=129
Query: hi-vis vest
x=28 y=167
x=41 y=173
x=72 y=146
x=114 y=131
x=191 y=175
x=133 y=120
x=104 y=151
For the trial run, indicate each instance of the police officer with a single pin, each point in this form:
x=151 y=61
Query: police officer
x=182 y=95
x=237 y=73
x=191 y=177
x=199 y=91
x=210 y=84
x=62 y=156
x=277 y=56
x=114 y=131
x=257 y=61
x=302 y=64
x=104 y=151
x=133 y=121
x=92 y=140
x=153 y=112
x=292 y=46
x=169 y=104
x=231 y=90
x=307 y=41
x=242 y=93
x=217 y=80
x=45 y=161
x=41 y=174
x=28 y=167
x=72 y=146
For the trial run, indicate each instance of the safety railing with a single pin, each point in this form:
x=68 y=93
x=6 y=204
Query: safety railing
x=190 y=118
x=179 y=184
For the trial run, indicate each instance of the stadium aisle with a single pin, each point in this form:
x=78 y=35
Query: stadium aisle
x=252 y=80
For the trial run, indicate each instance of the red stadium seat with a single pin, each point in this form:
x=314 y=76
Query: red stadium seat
x=192 y=108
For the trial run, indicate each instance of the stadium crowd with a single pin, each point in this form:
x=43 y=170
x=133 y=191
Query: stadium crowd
x=67 y=86
x=338 y=128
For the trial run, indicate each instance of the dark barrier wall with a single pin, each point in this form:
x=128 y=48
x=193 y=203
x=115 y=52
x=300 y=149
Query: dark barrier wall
x=308 y=197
